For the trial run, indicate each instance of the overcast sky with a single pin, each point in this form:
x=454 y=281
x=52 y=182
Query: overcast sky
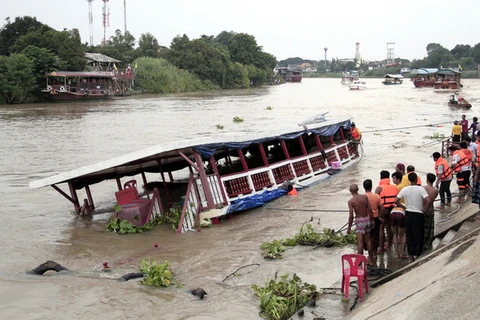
x=301 y=28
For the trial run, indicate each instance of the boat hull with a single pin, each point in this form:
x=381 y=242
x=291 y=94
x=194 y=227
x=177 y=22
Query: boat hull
x=423 y=84
x=460 y=105
x=74 y=96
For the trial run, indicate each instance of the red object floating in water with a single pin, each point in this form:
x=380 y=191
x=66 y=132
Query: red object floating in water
x=155 y=245
x=105 y=265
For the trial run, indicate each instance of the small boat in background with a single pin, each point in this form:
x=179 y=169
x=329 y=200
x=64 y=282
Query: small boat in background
x=424 y=77
x=458 y=102
x=393 y=79
x=348 y=77
x=448 y=80
x=358 y=85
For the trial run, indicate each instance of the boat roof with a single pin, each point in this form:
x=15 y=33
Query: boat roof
x=399 y=76
x=448 y=71
x=151 y=159
x=424 y=71
x=98 y=57
x=78 y=74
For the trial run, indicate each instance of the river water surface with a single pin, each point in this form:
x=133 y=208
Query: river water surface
x=41 y=140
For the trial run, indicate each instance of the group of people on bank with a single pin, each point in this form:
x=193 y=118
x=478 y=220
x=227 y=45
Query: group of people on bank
x=398 y=214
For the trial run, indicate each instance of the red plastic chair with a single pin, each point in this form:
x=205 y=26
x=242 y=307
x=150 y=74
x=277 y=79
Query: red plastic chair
x=354 y=265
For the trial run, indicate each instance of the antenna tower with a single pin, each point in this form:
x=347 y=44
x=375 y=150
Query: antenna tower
x=125 y=15
x=390 y=53
x=90 y=20
x=106 y=20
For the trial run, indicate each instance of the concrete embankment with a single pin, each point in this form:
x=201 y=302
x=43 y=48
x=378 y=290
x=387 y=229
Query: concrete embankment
x=442 y=285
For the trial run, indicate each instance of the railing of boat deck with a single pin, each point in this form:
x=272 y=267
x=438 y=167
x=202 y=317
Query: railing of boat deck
x=299 y=168
x=196 y=200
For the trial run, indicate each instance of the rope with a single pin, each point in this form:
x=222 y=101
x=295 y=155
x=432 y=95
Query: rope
x=409 y=127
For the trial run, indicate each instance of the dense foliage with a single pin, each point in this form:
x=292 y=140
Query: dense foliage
x=157 y=75
x=283 y=298
x=156 y=274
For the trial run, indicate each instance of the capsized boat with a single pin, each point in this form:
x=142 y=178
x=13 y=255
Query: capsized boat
x=216 y=176
x=358 y=85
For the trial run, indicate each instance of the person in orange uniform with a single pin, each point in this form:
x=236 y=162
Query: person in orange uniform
x=444 y=179
x=387 y=192
x=356 y=136
x=461 y=165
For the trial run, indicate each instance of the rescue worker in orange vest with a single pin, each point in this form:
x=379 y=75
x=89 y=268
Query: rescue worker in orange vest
x=388 y=192
x=444 y=179
x=461 y=165
x=356 y=136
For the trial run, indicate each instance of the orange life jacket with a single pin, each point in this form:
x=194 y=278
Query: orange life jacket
x=355 y=133
x=447 y=172
x=468 y=153
x=388 y=194
x=293 y=192
x=463 y=160
x=477 y=158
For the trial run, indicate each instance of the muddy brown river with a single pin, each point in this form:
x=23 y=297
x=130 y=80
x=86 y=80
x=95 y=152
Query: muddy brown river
x=40 y=140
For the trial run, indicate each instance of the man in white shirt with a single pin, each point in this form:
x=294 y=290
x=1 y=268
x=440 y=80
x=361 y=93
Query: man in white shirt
x=417 y=202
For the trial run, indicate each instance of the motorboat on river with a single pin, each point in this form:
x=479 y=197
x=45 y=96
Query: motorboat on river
x=211 y=177
x=358 y=85
x=392 y=79
x=457 y=101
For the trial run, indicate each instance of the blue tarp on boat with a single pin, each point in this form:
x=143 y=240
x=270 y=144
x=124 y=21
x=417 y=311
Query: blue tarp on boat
x=256 y=200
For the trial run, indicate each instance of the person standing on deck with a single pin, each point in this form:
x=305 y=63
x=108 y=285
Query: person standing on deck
x=444 y=179
x=360 y=206
x=456 y=131
x=464 y=124
x=472 y=146
x=429 y=217
x=416 y=204
x=397 y=220
x=387 y=192
x=461 y=165
x=356 y=136
x=473 y=126
x=376 y=205
x=400 y=167
x=411 y=169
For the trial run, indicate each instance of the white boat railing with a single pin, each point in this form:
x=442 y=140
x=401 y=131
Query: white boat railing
x=255 y=181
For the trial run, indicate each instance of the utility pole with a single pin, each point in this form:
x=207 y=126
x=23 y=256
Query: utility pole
x=90 y=20
x=325 y=58
x=390 y=53
x=106 y=20
x=125 y=14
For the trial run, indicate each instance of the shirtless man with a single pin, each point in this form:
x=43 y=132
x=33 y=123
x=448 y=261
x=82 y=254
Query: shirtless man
x=359 y=205
x=429 y=214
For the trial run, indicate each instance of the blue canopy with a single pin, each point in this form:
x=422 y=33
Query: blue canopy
x=207 y=150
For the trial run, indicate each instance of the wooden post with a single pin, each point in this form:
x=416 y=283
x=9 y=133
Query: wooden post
x=204 y=180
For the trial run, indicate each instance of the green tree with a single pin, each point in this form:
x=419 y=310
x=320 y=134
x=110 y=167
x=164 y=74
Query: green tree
x=11 y=31
x=17 y=81
x=44 y=61
x=123 y=45
x=199 y=57
x=148 y=46
x=65 y=44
